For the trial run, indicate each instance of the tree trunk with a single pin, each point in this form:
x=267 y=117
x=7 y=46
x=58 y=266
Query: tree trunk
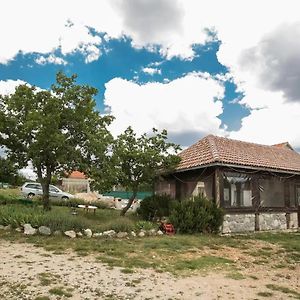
x=130 y=201
x=45 y=182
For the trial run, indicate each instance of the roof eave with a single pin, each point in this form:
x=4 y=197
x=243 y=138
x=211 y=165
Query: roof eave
x=221 y=164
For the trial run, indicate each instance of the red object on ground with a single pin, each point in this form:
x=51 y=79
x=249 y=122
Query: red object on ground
x=168 y=228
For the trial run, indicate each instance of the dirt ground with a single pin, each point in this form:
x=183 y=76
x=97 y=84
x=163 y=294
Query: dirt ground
x=28 y=272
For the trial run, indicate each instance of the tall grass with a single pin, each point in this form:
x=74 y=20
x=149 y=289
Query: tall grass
x=61 y=218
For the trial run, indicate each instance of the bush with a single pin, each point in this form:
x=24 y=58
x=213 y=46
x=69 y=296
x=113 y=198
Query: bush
x=197 y=215
x=155 y=206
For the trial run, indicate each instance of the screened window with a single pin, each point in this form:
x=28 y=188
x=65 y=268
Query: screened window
x=237 y=190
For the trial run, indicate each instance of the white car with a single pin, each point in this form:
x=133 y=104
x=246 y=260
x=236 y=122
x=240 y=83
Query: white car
x=31 y=189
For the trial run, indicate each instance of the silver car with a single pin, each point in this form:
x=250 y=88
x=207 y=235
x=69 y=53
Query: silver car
x=31 y=189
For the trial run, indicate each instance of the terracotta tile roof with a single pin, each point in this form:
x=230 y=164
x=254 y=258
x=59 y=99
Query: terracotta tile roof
x=77 y=175
x=213 y=149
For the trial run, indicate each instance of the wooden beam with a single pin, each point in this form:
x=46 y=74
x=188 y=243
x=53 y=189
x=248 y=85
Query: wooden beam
x=217 y=187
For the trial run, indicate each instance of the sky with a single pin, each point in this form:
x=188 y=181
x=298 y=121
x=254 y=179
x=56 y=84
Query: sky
x=229 y=68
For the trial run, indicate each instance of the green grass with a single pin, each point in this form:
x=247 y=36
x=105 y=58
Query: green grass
x=235 y=275
x=284 y=290
x=60 y=218
x=59 y=291
x=265 y=294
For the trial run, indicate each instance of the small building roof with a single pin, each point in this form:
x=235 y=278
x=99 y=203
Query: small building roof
x=214 y=150
x=77 y=175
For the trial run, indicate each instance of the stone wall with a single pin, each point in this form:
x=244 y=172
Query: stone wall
x=294 y=220
x=234 y=223
x=272 y=221
x=238 y=223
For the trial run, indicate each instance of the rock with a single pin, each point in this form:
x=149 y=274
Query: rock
x=57 y=233
x=141 y=234
x=97 y=234
x=44 y=230
x=70 y=233
x=133 y=234
x=121 y=235
x=18 y=229
x=29 y=230
x=152 y=232
x=8 y=227
x=79 y=234
x=159 y=232
x=109 y=233
x=88 y=232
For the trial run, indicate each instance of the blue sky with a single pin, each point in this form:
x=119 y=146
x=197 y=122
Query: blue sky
x=174 y=64
x=122 y=60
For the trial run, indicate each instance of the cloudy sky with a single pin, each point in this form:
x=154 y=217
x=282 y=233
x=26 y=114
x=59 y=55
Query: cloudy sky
x=194 y=67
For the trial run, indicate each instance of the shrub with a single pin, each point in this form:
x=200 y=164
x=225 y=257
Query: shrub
x=197 y=215
x=146 y=225
x=155 y=206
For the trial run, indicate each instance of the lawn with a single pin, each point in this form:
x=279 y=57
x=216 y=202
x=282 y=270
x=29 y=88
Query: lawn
x=177 y=254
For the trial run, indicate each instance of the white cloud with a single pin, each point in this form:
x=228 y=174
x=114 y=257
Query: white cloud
x=175 y=26
x=8 y=86
x=151 y=71
x=50 y=59
x=187 y=107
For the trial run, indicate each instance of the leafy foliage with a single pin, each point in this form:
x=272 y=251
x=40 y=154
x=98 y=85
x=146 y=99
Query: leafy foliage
x=155 y=206
x=58 y=130
x=9 y=173
x=138 y=160
x=197 y=215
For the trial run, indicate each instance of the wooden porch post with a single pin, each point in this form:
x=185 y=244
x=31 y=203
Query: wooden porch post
x=287 y=203
x=256 y=200
x=217 y=186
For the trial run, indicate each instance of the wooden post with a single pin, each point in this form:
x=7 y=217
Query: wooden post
x=256 y=200
x=287 y=203
x=217 y=187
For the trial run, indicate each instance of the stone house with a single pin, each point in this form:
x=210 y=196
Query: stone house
x=76 y=182
x=258 y=186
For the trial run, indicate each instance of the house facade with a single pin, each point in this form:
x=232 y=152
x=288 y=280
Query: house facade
x=258 y=186
x=76 y=182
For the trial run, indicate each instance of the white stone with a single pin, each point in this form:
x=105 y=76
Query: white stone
x=109 y=233
x=122 y=235
x=133 y=234
x=152 y=232
x=88 y=232
x=18 y=229
x=70 y=233
x=29 y=230
x=8 y=227
x=159 y=232
x=141 y=234
x=79 y=234
x=97 y=234
x=44 y=230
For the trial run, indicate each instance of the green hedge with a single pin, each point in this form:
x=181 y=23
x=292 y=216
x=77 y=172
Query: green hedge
x=155 y=206
x=197 y=215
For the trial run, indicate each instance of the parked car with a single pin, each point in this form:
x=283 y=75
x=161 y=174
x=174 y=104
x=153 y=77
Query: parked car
x=31 y=189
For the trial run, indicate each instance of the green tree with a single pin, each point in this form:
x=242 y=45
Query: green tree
x=58 y=130
x=9 y=173
x=138 y=160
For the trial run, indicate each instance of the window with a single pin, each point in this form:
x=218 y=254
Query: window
x=272 y=192
x=237 y=190
x=297 y=195
x=33 y=186
x=53 y=189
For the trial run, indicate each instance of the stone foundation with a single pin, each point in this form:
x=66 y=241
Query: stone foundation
x=272 y=221
x=294 y=220
x=235 y=223
x=238 y=223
